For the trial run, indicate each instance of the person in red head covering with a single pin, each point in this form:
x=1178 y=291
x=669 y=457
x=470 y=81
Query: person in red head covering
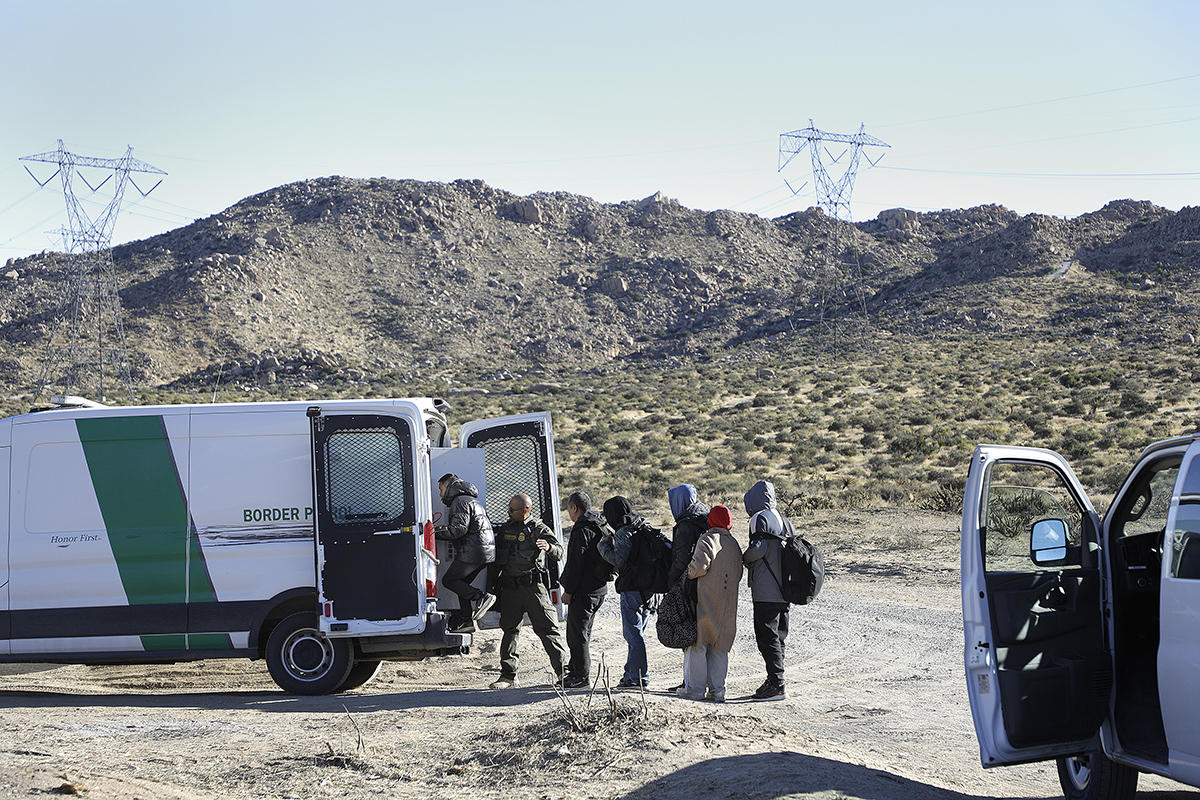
x=717 y=567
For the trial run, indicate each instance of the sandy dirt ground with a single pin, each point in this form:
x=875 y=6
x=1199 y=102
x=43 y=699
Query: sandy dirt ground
x=877 y=709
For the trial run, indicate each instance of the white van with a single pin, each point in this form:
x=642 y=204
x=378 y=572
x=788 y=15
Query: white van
x=1081 y=634
x=297 y=532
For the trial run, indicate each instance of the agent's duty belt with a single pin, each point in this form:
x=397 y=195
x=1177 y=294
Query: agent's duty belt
x=520 y=578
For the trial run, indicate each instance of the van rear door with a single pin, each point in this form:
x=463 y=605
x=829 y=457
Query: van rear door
x=366 y=516
x=518 y=458
x=1039 y=675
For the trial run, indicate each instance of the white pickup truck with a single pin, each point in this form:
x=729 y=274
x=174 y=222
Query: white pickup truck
x=1082 y=634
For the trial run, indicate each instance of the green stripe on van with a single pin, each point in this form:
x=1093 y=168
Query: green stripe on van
x=133 y=474
x=163 y=641
x=209 y=641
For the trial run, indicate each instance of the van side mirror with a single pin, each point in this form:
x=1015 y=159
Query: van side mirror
x=1048 y=542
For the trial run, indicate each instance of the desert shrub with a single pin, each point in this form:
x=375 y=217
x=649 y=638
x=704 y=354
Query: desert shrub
x=910 y=445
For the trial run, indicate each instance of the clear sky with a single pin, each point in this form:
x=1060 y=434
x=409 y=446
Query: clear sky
x=1051 y=107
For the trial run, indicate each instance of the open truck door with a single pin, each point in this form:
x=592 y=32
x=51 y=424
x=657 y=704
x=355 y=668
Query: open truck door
x=1179 y=645
x=370 y=568
x=1039 y=674
x=518 y=458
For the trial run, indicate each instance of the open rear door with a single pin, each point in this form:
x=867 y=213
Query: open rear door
x=367 y=537
x=518 y=458
x=1038 y=672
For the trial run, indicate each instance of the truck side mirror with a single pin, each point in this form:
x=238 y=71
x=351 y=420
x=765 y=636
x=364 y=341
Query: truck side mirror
x=1048 y=542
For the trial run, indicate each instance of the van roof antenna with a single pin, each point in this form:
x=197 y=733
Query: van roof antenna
x=74 y=401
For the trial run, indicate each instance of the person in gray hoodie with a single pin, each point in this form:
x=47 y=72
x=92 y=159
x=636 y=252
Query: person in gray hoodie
x=764 y=563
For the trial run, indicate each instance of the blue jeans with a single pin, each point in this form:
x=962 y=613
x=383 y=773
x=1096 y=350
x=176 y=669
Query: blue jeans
x=634 y=618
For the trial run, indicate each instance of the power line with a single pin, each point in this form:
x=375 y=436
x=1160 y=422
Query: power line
x=16 y=203
x=1049 y=175
x=1048 y=101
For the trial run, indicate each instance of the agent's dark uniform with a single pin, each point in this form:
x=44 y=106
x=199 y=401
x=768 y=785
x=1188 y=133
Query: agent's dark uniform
x=519 y=565
x=585 y=578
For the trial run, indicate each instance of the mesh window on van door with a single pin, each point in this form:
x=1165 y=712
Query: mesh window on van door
x=510 y=467
x=365 y=476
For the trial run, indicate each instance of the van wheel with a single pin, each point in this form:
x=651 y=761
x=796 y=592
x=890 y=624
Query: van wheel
x=1093 y=776
x=362 y=673
x=302 y=660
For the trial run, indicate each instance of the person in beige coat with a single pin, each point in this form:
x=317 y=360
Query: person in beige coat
x=717 y=568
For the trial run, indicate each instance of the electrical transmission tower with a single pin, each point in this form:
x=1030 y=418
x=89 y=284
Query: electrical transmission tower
x=836 y=285
x=88 y=337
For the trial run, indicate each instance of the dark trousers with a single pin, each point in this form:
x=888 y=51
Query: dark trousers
x=770 y=632
x=581 y=612
x=458 y=579
x=517 y=600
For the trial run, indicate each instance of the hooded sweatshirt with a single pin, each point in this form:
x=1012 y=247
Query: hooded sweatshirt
x=764 y=556
x=691 y=521
x=618 y=512
x=586 y=571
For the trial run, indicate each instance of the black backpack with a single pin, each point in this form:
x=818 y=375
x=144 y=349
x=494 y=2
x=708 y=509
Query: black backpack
x=803 y=568
x=649 y=562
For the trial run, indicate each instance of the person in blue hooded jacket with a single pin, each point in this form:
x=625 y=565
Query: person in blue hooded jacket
x=764 y=565
x=691 y=521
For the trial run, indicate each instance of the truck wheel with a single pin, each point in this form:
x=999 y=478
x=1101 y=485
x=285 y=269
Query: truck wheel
x=1093 y=776
x=302 y=660
x=362 y=673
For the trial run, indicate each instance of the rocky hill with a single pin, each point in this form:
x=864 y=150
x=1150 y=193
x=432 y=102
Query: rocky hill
x=345 y=279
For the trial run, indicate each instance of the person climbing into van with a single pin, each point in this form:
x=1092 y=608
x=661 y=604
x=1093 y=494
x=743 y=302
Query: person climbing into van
x=691 y=521
x=764 y=560
x=523 y=546
x=615 y=547
x=717 y=567
x=470 y=531
x=584 y=582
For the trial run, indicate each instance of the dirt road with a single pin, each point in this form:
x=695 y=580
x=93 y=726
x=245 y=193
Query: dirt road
x=877 y=710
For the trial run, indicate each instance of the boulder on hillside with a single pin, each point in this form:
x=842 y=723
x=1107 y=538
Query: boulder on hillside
x=591 y=229
x=899 y=219
x=530 y=210
x=613 y=286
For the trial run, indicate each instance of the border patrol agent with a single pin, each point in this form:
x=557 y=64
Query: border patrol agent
x=523 y=544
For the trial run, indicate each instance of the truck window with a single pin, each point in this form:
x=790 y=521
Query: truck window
x=1143 y=508
x=1020 y=495
x=1185 y=561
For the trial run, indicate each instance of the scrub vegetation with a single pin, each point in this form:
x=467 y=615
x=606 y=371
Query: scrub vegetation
x=856 y=365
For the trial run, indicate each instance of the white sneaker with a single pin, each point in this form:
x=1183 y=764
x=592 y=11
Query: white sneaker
x=487 y=602
x=503 y=683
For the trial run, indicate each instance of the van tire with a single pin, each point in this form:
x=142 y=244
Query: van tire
x=1093 y=776
x=362 y=673
x=302 y=660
